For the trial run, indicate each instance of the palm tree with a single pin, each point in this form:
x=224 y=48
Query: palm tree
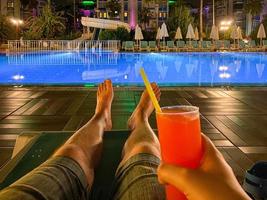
x=47 y=25
x=252 y=8
x=201 y=19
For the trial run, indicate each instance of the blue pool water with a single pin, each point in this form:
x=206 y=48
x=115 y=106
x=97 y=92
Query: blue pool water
x=169 y=69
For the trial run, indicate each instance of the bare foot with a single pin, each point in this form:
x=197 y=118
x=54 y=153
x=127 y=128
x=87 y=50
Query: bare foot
x=144 y=107
x=104 y=101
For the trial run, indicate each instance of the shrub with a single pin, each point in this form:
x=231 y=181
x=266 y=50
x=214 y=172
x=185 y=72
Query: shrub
x=119 y=34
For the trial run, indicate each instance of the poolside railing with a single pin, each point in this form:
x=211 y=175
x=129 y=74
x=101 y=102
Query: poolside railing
x=63 y=58
x=63 y=45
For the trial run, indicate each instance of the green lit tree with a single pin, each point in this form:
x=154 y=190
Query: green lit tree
x=252 y=8
x=46 y=26
x=114 y=8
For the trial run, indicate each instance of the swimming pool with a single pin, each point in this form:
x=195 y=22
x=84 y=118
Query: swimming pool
x=167 y=69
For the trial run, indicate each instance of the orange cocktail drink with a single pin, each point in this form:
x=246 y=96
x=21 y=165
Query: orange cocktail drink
x=180 y=140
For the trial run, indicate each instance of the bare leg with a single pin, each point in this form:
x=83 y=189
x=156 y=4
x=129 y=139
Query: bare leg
x=142 y=138
x=86 y=144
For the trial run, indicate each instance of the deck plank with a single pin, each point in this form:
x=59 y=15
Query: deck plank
x=236 y=121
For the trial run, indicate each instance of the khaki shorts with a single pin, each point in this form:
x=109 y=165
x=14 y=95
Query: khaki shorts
x=62 y=178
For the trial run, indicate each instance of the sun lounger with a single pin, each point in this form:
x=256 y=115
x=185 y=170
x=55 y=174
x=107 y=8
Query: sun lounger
x=242 y=46
x=252 y=46
x=205 y=46
x=170 y=46
x=129 y=46
x=43 y=144
x=143 y=46
x=181 y=45
x=152 y=46
x=195 y=45
x=162 y=46
x=226 y=45
x=123 y=45
x=218 y=45
x=264 y=46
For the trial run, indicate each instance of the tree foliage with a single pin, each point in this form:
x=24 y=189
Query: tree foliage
x=46 y=26
x=6 y=30
x=119 y=34
x=113 y=7
x=253 y=7
x=179 y=16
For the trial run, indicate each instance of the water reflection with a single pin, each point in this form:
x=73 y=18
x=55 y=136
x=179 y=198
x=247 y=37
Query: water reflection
x=206 y=69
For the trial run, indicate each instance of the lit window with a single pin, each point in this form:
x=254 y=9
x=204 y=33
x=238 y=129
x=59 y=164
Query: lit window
x=105 y=15
x=160 y=14
x=164 y=14
x=100 y=15
x=125 y=14
x=10 y=4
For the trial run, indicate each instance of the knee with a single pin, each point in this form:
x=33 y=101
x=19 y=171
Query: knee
x=144 y=147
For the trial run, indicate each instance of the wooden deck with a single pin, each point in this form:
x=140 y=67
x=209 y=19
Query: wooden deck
x=235 y=120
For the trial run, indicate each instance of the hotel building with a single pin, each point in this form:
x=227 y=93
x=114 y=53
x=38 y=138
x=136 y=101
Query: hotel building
x=130 y=11
x=13 y=8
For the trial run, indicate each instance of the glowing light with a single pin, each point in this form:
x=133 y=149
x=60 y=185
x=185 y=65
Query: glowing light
x=223 y=68
x=224 y=28
x=16 y=22
x=226 y=23
x=245 y=40
x=132 y=14
x=225 y=75
x=125 y=14
x=18 y=77
x=88 y=3
x=125 y=76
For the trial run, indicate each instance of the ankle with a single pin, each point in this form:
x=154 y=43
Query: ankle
x=99 y=117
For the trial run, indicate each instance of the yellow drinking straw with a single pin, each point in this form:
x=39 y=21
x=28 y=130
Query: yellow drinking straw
x=150 y=90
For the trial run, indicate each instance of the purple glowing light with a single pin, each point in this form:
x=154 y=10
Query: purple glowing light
x=86 y=13
x=132 y=14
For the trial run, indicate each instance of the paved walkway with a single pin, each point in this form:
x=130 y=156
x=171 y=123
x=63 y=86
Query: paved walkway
x=235 y=120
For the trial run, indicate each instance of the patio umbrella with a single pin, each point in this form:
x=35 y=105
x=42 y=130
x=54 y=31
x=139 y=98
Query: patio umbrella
x=214 y=34
x=261 y=33
x=138 y=34
x=159 y=36
x=190 y=33
x=196 y=34
x=164 y=31
x=178 y=34
x=234 y=33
